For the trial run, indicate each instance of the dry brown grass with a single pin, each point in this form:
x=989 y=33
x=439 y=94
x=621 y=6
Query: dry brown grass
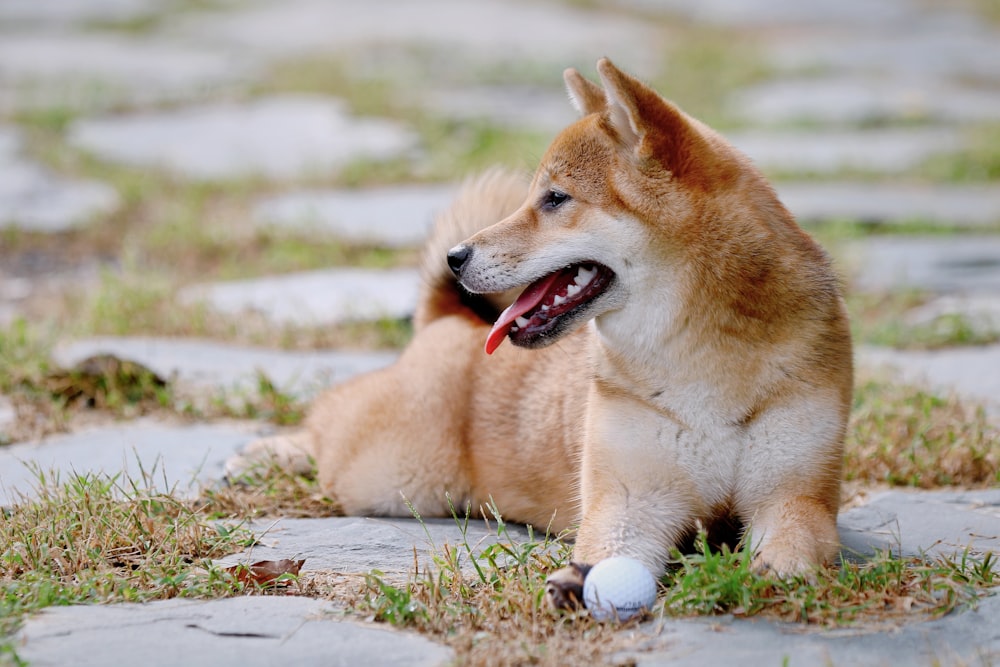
x=268 y=491
x=902 y=435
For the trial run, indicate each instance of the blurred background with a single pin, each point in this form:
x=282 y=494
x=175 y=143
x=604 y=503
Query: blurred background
x=184 y=179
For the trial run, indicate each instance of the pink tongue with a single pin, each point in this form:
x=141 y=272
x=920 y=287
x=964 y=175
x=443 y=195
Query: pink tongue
x=530 y=298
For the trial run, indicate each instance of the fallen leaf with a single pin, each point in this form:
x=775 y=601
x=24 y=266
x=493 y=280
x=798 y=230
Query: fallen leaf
x=265 y=571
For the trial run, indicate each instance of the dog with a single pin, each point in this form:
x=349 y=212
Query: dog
x=680 y=355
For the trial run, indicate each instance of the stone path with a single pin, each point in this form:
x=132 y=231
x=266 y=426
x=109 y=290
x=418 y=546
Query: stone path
x=178 y=457
x=857 y=88
x=32 y=197
x=249 y=631
x=394 y=217
x=206 y=367
x=272 y=137
x=316 y=297
x=828 y=151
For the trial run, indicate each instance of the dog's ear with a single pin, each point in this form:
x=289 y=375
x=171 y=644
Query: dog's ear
x=587 y=97
x=647 y=124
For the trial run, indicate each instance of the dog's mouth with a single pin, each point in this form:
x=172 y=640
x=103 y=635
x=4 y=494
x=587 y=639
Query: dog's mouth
x=545 y=303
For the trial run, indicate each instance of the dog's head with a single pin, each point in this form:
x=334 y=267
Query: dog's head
x=614 y=188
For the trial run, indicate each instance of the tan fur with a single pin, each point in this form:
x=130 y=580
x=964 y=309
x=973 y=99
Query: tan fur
x=714 y=377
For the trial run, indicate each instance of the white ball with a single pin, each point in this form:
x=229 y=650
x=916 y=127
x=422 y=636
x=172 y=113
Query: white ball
x=618 y=588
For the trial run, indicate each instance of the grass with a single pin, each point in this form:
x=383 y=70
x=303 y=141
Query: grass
x=48 y=397
x=268 y=491
x=97 y=539
x=492 y=610
x=94 y=539
x=91 y=539
x=977 y=162
x=703 y=66
x=906 y=436
x=881 y=319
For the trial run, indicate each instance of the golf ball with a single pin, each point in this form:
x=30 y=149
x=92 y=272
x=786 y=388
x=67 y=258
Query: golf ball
x=618 y=588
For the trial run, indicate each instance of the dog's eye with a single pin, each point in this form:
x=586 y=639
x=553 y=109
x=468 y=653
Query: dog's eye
x=553 y=199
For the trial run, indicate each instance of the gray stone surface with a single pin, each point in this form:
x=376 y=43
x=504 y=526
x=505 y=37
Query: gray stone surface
x=275 y=137
x=8 y=415
x=35 y=199
x=543 y=109
x=486 y=32
x=821 y=151
x=66 y=69
x=782 y=12
x=938 y=46
x=949 y=205
x=980 y=312
x=968 y=264
x=247 y=631
x=971 y=372
x=357 y=545
x=12 y=292
x=178 y=457
x=854 y=99
x=208 y=365
x=315 y=297
x=964 y=638
x=15 y=12
x=395 y=217
x=913 y=523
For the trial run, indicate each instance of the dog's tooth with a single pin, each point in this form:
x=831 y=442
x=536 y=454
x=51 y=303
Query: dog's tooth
x=558 y=300
x=521 y=322
x=584 y=276
x=573 y=290
x=545 y=307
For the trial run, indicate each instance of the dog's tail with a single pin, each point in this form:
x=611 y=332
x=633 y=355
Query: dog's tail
x=481 y=201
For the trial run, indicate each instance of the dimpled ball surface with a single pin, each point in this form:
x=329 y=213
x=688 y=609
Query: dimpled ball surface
x=618 y=588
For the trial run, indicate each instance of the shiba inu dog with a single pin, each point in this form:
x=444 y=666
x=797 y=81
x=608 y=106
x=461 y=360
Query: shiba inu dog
x=681 y=354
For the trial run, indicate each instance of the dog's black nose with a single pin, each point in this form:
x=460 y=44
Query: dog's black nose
x=457 y=257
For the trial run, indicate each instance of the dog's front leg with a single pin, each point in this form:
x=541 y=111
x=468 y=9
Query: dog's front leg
x=635 y=499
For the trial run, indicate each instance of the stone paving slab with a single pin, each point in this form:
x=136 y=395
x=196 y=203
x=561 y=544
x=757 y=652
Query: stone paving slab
x=358 y=545
x=395 y=217
x=855 y=99
x=8 y=415
x=248 y=631
x=177 y=456
x=943 y=45
x=203 y=365
x=94 y=71
x=970 y=372
x=969 y=264
x=35 y=199
x=965 y=638
x=14 y=12
x=520 y=107
x=949 y=205
x=315 y=297
x=979 y=312
x=504 y=32
x=914 y=523
x=278 y=137
x=823 y=151
x=782 y=12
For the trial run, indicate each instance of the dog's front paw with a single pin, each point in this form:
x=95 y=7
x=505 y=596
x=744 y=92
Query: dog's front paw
x=564 y=587
x=782 y=565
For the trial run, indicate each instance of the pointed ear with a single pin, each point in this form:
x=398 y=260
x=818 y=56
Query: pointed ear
x=587 y=97
x=623 y=94
x=647 y=123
